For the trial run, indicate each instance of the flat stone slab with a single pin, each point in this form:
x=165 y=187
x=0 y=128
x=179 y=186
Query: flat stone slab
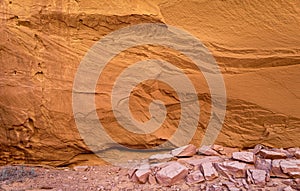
x=185 y=151
x=171 y=174
x=244 y=156
x=208 y=171
x=233 y=168
x=268 y=154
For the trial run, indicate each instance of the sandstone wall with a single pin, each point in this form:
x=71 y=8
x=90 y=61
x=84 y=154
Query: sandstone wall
x=256 y=44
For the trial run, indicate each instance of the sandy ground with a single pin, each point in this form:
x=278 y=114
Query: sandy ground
x=90 y=178
x=21 y=178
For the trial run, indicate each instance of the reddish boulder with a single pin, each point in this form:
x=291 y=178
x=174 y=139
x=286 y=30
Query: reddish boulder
x=208 y=151
x=256 y=176
x=291 y=167
x=208 y=171
x=276 y=169
x=185 y=151
x=297 y=154
x=232 y=168
x=244 y=156
x=142 y=175
x=195 y=177
x=171 y=174
x=196 y=161
x=263 y=164
x=152 y=179
x=227 y=151
x=269 y=154
x=257 y=148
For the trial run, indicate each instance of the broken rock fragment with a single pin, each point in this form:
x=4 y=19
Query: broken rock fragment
x=268 y=154
x=232 y=168
x=208 y=171
x=208 y=151
x=194 y=161
x=195 y=177
x=244 y=156
x=263 y=164
x=276 y=169
x=291 y=167
x=142 y=175
x=259 y=177
x=297 y=154
x=185 y=151
x=171 y=173
x=151 y=179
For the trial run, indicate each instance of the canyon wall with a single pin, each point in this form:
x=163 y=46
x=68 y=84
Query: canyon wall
x=255 y=43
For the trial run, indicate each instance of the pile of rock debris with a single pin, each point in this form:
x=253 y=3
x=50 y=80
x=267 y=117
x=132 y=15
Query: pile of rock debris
x=259 y=167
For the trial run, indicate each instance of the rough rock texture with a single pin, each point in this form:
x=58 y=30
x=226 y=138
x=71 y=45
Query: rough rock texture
x=244 y=156
x=195 y=177
x=108 y=177
x=171 y=174
x=185 y=151
x=255 y=43
x=259 y=177
x=228 y=173
x=208 y=171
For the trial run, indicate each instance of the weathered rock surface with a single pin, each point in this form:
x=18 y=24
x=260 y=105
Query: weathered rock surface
x=185 y=151
x=244 y=156
x=208 y=171
x=297 y=154
x=208 y=150
x=142 y=174
x=196 y=160
x=276 y=169
x=291 y=167
x=226 y=172
x=269 y=154
x=232 y=168
x=263 y=164
x=256 y=45
x=171 y=174
x=158 y=158
x=259 y=177
x=195 y=177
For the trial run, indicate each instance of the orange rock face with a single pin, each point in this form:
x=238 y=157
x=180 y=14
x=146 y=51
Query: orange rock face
x=254 y=43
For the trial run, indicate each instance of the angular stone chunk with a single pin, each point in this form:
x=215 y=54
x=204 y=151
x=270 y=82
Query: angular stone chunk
x=276 y=169
x=197 y=161
x=185 y=151
x=208 y=171
x=142 y=175
x=291 y=167
x=152 y=179
x=259 y=177
x=268 y=154
x=208 y=151
x=297 y=154
x=171 y=174
x=231 y=186
x=232 y=168
x=227 y=151
x=244 y=156
x=263 y=164
x=195 y=177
